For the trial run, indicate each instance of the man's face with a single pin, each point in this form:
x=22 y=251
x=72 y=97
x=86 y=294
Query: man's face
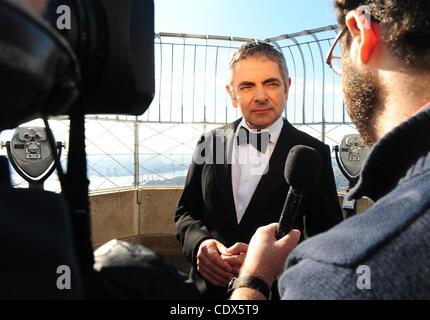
x=258 y=90
x=362 y=93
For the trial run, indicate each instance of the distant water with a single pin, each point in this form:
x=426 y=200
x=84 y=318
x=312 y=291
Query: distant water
x=117 y=172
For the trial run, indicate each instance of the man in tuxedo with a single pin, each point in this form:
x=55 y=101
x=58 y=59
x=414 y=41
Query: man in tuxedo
x=383 y=253
x=235 y=182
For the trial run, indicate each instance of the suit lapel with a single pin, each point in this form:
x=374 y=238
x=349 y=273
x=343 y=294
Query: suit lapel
x=223 y=170
x=272 y=180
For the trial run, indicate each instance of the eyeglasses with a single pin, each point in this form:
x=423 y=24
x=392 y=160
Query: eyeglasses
x=335 y=62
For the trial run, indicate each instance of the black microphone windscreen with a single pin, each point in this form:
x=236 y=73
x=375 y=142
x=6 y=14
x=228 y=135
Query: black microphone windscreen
x=303 y=167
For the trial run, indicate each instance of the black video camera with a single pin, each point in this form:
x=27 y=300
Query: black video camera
x=105 y=56
x=102 y=64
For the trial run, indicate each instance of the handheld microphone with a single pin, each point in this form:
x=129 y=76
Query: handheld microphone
x=302 y=171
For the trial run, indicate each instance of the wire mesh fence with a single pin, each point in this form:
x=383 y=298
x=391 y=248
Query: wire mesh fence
x=191 y=72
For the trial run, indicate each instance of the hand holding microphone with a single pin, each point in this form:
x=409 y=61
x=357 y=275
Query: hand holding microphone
x=266 y=255
x=302 y=172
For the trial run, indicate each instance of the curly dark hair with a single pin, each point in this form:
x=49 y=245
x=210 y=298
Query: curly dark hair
x=405 y=26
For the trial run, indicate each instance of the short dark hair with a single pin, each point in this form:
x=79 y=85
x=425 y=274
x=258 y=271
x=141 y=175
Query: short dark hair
x=261 y=49
x=405 y=26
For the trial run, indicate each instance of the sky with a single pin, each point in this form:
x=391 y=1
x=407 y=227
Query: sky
x=242 y=18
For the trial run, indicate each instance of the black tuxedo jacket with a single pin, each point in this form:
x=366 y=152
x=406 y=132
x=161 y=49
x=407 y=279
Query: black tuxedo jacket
x=206 y=209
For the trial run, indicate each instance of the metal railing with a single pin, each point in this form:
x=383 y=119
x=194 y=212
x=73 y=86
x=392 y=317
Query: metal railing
x=191 y=72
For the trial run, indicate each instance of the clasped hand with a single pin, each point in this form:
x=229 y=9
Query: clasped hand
x=219 y=264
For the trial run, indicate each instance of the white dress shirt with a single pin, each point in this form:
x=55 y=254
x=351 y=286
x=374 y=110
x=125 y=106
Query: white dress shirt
x=249 y=165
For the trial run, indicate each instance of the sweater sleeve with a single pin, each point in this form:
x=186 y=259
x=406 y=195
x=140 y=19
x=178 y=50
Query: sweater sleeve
x=312 y=280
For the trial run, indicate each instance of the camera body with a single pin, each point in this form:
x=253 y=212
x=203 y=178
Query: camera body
x=114 y=44
x=106 y=58
x=102 y=64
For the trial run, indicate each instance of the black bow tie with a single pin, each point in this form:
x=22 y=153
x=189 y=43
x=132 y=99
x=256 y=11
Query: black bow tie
x=259 y=141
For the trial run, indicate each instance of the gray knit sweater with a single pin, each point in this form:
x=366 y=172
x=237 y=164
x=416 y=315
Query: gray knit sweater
x=383 y=253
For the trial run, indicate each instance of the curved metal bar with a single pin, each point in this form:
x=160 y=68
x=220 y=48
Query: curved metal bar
x=313 y=85
x=293 y=39
x=171 y=85
x=194 y=78
x=203 y=37
x=323 y=85
x=276 y=44
x=242 y=39
x=183 y=76
x=161 y=75
x=204 y=86
x=295 y=86
x=332 y=81
x=226 y=94
x=215 y=83
x=303 y=33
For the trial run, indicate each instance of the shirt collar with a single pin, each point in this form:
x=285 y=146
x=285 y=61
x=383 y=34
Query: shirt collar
x=274 y=129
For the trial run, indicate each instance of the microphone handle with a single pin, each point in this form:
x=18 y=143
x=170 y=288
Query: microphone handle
x=289 y=212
